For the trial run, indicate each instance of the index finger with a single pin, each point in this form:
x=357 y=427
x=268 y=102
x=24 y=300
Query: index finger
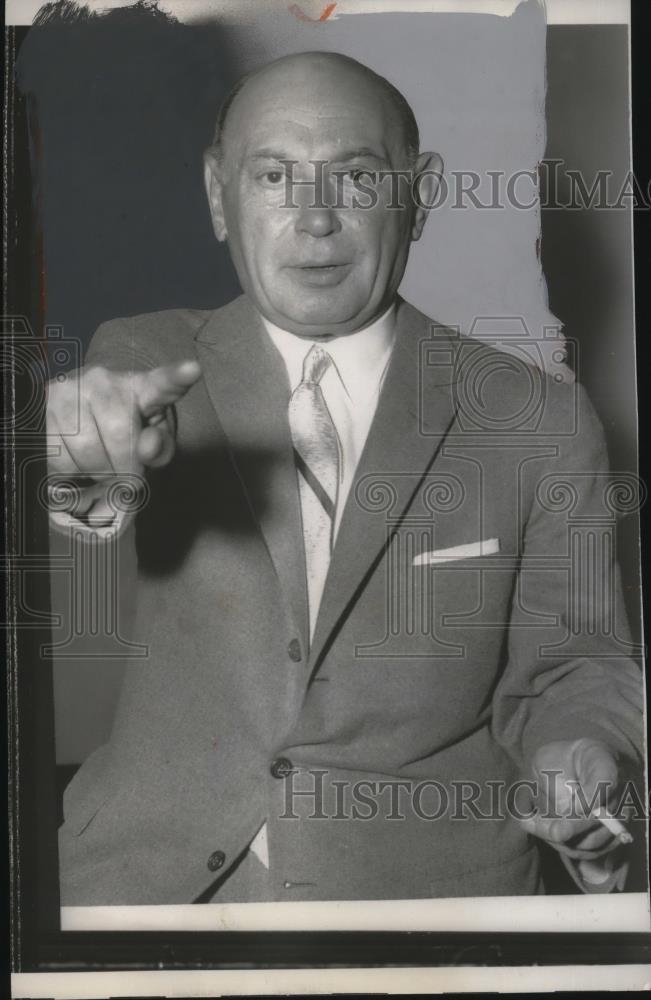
x=164 y=386
x=557 y=830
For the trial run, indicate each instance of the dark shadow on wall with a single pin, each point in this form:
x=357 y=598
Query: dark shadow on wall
x=122 y=106
x=587 y=252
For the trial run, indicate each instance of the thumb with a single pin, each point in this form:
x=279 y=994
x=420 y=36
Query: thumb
x=163 y=386
x=156 y=444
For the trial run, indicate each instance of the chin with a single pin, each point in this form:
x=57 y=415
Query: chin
x=322 y=314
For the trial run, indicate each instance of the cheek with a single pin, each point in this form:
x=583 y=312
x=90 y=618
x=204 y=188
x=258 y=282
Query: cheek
x=258 y=240
x=266 y=228
x=379 y=239
x=250 y=217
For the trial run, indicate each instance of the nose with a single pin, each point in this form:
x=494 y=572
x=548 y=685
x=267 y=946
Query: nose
x=317 y=221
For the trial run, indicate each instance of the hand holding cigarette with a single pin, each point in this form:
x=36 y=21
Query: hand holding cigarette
x=574 y=780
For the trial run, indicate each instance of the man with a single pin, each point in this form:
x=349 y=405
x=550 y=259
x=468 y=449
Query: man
x=353 y=561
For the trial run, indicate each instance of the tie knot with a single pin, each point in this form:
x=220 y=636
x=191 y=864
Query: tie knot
x=317 y=361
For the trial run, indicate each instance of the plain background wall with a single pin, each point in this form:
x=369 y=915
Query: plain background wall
x=126 y=229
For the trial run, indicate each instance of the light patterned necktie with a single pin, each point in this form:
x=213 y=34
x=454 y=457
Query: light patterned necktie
x=318 y=462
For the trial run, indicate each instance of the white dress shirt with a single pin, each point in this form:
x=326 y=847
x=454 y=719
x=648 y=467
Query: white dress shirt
x=351 y=388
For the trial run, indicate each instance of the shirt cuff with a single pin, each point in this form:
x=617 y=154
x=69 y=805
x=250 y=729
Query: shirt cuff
x=102 y=509
x=85 y=528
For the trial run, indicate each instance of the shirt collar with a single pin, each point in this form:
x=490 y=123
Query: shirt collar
x=360 y=357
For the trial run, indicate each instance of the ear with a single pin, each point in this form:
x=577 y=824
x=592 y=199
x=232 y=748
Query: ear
x=213 y=180
x=428 y=171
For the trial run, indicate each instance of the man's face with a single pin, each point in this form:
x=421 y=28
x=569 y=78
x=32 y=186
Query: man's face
x=320 y=270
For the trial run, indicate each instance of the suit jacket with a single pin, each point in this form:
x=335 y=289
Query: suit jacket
x=421 y=676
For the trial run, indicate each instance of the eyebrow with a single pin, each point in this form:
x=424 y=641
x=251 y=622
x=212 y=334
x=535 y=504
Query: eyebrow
x=268 y=154
x=353 y=154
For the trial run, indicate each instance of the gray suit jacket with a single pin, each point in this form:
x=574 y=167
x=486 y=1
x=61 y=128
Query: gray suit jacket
x=430 y=674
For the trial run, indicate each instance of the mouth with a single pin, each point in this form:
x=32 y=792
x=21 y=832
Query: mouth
x=318 y=275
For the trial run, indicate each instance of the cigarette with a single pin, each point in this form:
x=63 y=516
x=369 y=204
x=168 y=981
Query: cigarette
x=616 y=828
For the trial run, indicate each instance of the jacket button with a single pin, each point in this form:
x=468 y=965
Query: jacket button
x=281 y=767
x=294 y=651
x=216 y=861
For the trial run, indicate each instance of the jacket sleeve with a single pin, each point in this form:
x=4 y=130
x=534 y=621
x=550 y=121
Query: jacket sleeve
x=571 y=670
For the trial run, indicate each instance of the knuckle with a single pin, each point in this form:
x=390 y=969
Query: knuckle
x=118 y=427
x=97 y=373
x=98 y=382
x=557 y=832
x=87 y=449
x=61 y=394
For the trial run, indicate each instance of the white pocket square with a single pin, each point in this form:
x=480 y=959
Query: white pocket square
x=488 y=547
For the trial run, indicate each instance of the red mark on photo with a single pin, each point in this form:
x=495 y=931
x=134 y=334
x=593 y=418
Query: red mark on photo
x=302 y=16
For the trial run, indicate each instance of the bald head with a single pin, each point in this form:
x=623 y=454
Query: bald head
x=320 y=76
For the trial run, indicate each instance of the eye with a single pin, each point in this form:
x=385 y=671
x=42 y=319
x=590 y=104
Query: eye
x=357 y=174
x=273 y=177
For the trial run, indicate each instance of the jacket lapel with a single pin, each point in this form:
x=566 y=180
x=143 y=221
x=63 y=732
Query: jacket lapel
x=248 y=386
x=414 y=413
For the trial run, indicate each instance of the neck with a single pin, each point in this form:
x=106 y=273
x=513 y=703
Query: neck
x=325 y=334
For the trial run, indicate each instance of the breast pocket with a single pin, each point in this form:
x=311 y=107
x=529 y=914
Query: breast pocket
x=419 y=607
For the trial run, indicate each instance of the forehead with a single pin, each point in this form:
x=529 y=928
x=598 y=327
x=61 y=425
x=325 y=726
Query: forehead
x=318 y=110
